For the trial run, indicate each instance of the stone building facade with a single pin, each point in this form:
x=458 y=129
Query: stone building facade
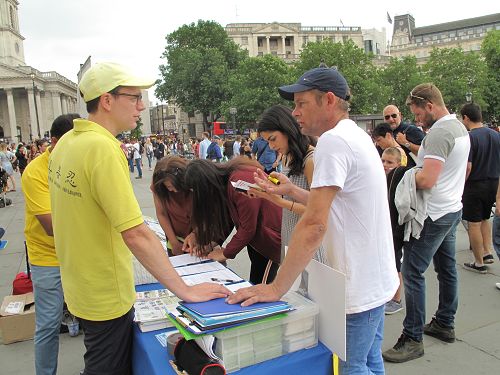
x=29 y=99
x=419 y=41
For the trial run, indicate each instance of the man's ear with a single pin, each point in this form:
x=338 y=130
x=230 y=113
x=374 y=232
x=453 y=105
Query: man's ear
x=105 y=101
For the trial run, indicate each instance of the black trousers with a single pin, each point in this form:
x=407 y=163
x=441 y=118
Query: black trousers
x=109 y=345
x=258 y=267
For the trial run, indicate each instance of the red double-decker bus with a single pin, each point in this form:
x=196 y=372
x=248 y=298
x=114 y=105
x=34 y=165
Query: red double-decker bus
x=218 y=128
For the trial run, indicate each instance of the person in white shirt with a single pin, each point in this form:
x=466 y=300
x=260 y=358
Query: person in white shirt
x=204 y=145
x=346 y=209
x=237 y=146
x=442 y=158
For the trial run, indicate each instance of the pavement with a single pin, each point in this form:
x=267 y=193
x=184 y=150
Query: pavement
x=476 y=351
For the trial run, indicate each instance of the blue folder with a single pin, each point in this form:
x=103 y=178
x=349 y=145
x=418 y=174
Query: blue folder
x=219 y=306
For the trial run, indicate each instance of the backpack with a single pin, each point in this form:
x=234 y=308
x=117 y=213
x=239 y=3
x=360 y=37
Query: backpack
x=22 y=283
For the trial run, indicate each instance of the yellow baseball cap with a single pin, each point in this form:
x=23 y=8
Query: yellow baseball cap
x=104 y=77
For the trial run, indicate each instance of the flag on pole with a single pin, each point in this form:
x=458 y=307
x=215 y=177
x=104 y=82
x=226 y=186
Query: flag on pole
x=342 y=23
x=389 y=19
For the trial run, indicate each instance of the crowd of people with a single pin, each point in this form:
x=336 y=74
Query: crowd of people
x=377 y=208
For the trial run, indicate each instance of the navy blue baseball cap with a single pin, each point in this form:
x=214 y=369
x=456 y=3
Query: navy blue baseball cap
x=322 y=79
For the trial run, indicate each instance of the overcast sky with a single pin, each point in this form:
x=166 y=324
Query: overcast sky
x=61 y=34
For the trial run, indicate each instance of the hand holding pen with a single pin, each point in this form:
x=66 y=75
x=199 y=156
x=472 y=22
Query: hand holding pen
x=275 y=183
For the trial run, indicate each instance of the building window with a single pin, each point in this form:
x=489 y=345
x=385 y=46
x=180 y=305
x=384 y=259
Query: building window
x=319 y=38
x=305 y=39
x=288 y=42
x=345 y=38
x=453 y=33
x=260 y=42
x=244 y=40
x=273 y=43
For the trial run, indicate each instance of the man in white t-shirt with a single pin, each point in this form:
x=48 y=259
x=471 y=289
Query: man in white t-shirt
x=347 y=210
x=442 y=158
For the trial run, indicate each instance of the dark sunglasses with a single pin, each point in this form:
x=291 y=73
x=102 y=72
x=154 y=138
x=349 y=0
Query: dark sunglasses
x=419 y=97
x=394 y=115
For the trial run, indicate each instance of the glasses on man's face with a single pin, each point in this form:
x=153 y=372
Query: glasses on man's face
x=138 y=97
x=413 y=96
x=394 y=115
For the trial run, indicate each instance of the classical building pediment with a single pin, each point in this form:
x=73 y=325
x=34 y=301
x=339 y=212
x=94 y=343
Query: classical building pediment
x=274 y=28
x=7 y=71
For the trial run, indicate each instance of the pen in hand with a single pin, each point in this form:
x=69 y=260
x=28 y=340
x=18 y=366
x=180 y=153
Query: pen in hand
x=222 y=280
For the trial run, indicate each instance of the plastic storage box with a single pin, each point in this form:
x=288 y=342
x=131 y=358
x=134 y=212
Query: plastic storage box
x=258 y=342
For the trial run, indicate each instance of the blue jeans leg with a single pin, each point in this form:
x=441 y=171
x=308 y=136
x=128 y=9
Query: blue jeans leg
x=131 y=165
x=437 y=243
x=138 y=165
x=365 y=332
x=496 y=235
x=49 y=302
x=150 y=159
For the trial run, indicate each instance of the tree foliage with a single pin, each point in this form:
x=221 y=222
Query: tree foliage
x=398 y=78
x=199 y=58
x=455 y=73
x=490 y=50
x=254 y=87
x=354 y=64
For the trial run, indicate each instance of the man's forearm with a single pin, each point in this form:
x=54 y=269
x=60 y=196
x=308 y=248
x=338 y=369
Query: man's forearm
x=148 y=250
x=299 y=195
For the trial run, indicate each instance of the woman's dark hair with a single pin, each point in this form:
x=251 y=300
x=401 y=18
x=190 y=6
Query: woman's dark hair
x=280 y=118
x=171 y=168
x=210 y=217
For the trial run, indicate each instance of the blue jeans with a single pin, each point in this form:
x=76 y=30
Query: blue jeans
x=437 y=243
x=49 y=301
x=138 y=165
x=496 y=234
x=364 y=335
x=131 y=165
x=150 y=158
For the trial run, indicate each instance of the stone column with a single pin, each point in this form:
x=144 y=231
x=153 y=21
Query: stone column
x=40 y=114
x=12 y=115
x=64 y=102
x=268 y=47
x=283 y=37
x=56 y=104
x=31 y=106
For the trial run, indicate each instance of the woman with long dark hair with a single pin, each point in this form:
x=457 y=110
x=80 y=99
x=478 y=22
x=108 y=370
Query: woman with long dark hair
x=218 y=206
x=280 y=129
x=173 y=201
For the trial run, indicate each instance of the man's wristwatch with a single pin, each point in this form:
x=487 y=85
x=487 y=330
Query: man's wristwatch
x=407 y=144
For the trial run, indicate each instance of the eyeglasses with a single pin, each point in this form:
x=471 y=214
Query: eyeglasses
x=394 y=115
x=137 y=97
x=418 y=97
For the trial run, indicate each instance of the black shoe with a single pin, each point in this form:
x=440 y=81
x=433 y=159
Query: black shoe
x=138 y=177
x=488 y=259
x=475 y=268
x=436 y=330
x=405 y=350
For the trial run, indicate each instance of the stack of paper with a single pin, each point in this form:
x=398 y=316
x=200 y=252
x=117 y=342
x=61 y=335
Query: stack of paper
x=152 y=307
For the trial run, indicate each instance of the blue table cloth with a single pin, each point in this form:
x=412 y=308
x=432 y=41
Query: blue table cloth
x=150 y=358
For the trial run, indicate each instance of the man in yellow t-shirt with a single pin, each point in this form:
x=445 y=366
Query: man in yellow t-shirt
x=97 y=221
x=45 y=273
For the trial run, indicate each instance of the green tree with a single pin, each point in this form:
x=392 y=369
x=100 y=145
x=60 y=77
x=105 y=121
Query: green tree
x=254 y=87
x=490 y=49
x=455 y=73
x=137 y=132
x=398 y=78
x=354 y=64
x=199 y=58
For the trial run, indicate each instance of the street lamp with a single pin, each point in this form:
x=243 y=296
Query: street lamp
x=233 y=112
x=468 y=96
x=32 y=75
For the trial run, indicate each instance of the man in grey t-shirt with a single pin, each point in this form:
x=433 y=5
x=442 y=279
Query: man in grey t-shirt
x=442 y=158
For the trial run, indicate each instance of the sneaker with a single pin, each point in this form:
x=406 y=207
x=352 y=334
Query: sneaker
x=392 y=307
x=138 y=177
x=488 y=259
x=475 y=268
x=498 y=285
x=436 y=330
x=405 y=350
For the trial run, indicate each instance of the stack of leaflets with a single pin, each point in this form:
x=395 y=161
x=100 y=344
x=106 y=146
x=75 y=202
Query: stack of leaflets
x=152 y=307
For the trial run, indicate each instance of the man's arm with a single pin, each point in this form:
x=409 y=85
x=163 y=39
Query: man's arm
x=469 y=169
x=306 y=238
x=46 y=222
x=427 y=177
x=148 y=250
x=497 y=209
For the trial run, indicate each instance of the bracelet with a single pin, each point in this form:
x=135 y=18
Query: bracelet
x=291 y=208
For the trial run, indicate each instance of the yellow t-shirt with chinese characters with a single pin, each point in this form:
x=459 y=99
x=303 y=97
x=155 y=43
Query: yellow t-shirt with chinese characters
x=92 y=203
x=34 y=181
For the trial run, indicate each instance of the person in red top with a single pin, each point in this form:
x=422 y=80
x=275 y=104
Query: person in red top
x=173 y=201
x=217 y=206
